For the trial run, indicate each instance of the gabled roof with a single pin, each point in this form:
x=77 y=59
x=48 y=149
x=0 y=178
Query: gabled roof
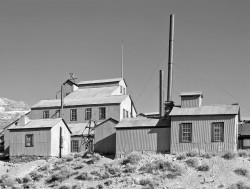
x=102 y=81
x=140 y=122
x=39 y=123
x=114 y=99
x=192 y=93
x=79 y=129
x=206 y=110
x=109 y=119
x=70 y=82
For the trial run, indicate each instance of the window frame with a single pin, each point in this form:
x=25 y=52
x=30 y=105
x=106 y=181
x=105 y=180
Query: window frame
x=220 y=132
x=124 y=113
x=182 y=137
x=45 y=114
x=102 y=115
x=31 y=140
x=87 y=112
x=74 y=145
x=73 y=117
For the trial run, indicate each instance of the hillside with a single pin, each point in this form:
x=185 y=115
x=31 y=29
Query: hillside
x=11 y=110
x=92 y=171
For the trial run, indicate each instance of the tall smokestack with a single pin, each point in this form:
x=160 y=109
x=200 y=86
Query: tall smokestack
x=62 y=92
x=170 y=58
x=161 y=94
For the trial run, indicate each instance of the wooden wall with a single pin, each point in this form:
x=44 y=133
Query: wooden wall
x=201 y=133
x=142 y=140
x=191 y=101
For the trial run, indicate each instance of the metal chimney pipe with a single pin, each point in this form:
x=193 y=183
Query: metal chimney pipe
x=170 y=58
x=62 y=93
x=161 y=94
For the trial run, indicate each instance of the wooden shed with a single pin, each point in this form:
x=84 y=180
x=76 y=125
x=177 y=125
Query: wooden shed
x=142 y=134
x=212 y=128
x=244 y=135
x=105 y=137
x=42 y=137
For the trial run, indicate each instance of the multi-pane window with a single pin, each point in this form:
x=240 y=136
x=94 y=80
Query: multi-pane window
x=88 y=113
x=74 y=146
x=102 y=113
x=217 y=132
x=126 y=114
x=73 y=115
x=29 y=140
x=186 y=132
x=46 y=114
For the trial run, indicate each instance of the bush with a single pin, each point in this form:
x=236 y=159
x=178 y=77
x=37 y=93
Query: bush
x=243 y=153
x=129 y=168
x=108 y=182
x=46 y=167
x=36 y=176
x=229 y=155
x=193 y=162
x=112 y=169
x=64 y=186
x=178 y=169
x=242 y=172
x=8 y=181
x=84 y=176
x=99 y=186
x=95 y=173
x=132 y=158
x=78 y=166
x=67 y=158
x=193 y=153
x=147 y=182
x=160 y=165
x=203 y=167
x=205 y=154
x=240 y=185
x=27 y=179
x=60 y=176
x=181 y=156
x=93 y=158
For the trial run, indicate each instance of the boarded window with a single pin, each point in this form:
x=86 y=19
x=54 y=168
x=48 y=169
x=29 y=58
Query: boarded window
x=88 y=113
x=46 y=114
x=73 y=115
x=186 y=132
x=218 y=132
x=29 y=140
x=74 y=146
x=102 y=113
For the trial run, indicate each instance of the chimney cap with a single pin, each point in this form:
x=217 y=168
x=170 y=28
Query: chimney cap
x=192 y=93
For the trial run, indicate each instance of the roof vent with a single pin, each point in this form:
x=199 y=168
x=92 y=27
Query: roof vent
x=191 y=99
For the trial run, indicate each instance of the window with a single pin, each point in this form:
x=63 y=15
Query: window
x=88 y=113
x=46 y=114
x=218 y=132
x=124 y=91
x=29 y=140
x=186 y=132
x=121 y=89
x=74 y=146
x=124 y=113
x=73 y=114
x=102 y=113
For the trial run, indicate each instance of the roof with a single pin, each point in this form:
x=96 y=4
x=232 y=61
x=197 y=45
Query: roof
x=92 y=92
x=109 y=119
x=206 y=110
x=139 y=122
x=70 y=82
x=192 y=93
x=100 y=81
x=114 y=99
x=39 y=123
x=244 y=129
x=78 y=129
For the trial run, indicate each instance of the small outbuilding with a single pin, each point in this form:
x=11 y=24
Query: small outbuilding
x=244 y=135
x=42 y=137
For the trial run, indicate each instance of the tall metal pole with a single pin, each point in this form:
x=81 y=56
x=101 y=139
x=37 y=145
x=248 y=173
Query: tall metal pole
x=122 y=61
x=161 y=94
x=170 y=58
x=62 y=92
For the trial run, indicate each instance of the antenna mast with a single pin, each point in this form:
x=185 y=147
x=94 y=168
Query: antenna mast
x=122 y=61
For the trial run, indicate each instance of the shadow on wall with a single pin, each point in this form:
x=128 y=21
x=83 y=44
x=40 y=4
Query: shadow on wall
x=106 y=146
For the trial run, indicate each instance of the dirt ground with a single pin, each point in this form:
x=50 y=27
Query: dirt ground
x=221 y=173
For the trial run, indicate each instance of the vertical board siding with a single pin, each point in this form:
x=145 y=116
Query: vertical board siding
x=201 y=133
x=142 y=139
x=41 y=143
x=189 y=102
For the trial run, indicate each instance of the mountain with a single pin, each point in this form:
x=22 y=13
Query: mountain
x=11 y=110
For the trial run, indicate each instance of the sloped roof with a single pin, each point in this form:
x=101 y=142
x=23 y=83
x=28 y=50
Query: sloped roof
x=206 y=110
x=109 y=119
x=92 y=92
x=191 y=93
x=114 y=99
x=140 y=122
x=244 y=129
x=78 y=129
x=100 y=81
x=38 y=123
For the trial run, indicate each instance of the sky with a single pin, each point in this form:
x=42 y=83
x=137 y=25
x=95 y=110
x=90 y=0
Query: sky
x=42 y=41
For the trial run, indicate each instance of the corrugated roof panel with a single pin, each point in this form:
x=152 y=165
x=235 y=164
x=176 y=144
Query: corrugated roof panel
x=191 y=93
x=206 y=110
x=100 y=81
x=137 y=122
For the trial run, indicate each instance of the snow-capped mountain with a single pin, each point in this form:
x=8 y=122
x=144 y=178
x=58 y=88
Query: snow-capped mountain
x=11 y=110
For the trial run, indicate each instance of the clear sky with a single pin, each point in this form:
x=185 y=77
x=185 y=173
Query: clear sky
x=42 y=41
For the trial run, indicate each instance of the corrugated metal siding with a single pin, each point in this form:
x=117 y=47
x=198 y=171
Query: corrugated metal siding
x=41 y=146
x=142 y=139
x=201 y=133
x=105 y=138
x=189 y=102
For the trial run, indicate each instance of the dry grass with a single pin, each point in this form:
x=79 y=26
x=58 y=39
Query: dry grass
x=203 y=167
x=36 y=176
x=147 y=182
x=205 y=154
x=60 y=176
x=229 y=155
x=193 y=162
x=243 y=153
x=181 y=156
x=84 y=176
x=7 y=180
x=193 y=153
x=242 y=171
x=158 y=165
x=240 y=185
x=132 y=158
